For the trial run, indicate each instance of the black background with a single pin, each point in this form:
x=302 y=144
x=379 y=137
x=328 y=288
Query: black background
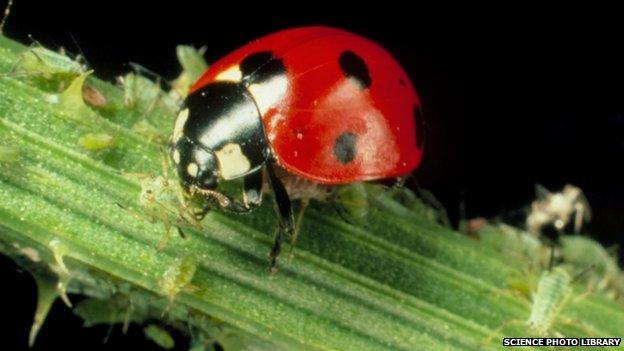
x=512 y=97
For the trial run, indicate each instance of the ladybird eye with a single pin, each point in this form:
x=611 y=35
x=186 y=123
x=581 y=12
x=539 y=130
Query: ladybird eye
x=207 y=179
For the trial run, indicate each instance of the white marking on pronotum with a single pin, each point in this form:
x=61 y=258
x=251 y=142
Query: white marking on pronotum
x=176 y=157
x=192 y=169
x=232 y=162
x=179 y=124
x=231 y=74
x=267 y=94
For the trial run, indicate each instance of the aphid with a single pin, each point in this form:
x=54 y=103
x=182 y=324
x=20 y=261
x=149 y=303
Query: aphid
x=552 y=294
x=163 y=201
x=317 y=103
x=143 y=94
x=580 y=252
x=159 y=336
x=473 y=226
x=96 y=141
x=177 y=277
x=48 y=69
x=193 y=65
x=93 y=96
x=149 y=131
x=558 y=208
x=514 y=243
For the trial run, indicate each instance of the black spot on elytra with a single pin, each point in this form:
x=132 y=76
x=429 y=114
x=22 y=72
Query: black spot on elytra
x=260 y=66
x=354 y=67
x=419 y=123
x=344 y=147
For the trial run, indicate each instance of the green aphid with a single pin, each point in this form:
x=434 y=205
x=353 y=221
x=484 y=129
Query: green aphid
x=177 y=277
x=149 y=131
x=193 y=65
x=352 y=202
x=581 y=252
x=96 y=141
x=422 y=203
x=515 y=243
x=144 y=95
x=191 y=60
x=159 y=336
x=50 y=70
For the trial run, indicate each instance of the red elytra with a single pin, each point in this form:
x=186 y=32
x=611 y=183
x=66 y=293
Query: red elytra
x=339 y=87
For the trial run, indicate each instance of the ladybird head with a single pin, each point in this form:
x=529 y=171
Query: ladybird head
x=218 y=135
x=196 y=166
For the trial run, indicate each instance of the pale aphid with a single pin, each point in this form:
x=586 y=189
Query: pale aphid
x=554 y=289
x=552 y=294
x=162 y=200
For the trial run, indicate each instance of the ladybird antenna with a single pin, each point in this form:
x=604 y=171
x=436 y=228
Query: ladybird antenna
x=7 y=12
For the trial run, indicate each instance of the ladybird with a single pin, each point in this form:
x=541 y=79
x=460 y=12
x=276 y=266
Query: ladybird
x=318 y=103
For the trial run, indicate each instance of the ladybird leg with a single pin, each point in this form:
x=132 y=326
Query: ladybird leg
x=302 y=207
x=286 y=219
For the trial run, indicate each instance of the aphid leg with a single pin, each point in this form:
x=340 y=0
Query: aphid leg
x=142 y=217
x=165 y=238
x=498 y=330
x=252 y=196
x=286 y=223
x=302 y=207
x=578 y=216
x=135 y=214
x=577 y=323
x=158 y=79
x=181 y=233
x=126 y=321
x=590 y=288
x=515 y=294
x=165 y=165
